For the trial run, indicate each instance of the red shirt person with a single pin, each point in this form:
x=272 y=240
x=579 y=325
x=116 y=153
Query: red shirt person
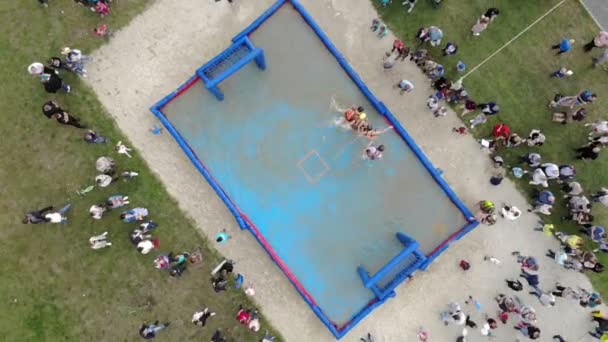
x=397 y=45
x=501 y=131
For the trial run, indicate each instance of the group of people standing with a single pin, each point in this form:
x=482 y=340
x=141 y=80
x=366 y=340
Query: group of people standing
x=572 y=253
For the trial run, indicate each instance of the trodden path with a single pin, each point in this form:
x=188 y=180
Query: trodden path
x=599 y=11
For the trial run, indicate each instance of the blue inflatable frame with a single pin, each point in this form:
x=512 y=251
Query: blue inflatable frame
x=421 y=262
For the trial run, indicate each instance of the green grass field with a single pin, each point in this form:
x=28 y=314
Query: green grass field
x=54 y=287
x=518 y=79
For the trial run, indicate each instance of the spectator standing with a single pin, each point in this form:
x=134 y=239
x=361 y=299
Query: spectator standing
x=545 y=298
x=528 y=330
x=600 y=41
x=532 y=279
x=564 y=46
x=53 y=111
x=562 y=72
x=397 y=46
x=601 y=59
x=50 y=79
x=405 y=86
x=492 y=13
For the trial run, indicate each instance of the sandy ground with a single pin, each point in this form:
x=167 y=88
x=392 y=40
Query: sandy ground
x=162 y=47
x=599 y=11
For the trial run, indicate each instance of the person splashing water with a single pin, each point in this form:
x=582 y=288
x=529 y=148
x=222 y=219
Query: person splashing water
x=353 y=115
x=373 y=153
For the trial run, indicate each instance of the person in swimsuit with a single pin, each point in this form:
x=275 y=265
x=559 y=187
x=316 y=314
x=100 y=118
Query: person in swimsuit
x=352 y=113
x=373 y=153
x=360 y=124
x=371 y=134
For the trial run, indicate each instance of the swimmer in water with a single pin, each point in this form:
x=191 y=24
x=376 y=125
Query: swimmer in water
x=360 y=122
x=364 y=128
x=373 y=153
x=371 y=134
x=352 y=114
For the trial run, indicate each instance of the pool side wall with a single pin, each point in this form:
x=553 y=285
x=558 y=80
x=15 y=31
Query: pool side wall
x=245 y=223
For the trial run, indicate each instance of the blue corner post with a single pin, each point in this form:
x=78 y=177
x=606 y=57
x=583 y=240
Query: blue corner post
x=216 y=92
x=260 y=60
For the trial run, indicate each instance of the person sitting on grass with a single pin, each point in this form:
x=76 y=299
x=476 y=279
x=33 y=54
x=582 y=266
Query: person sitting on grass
x=566 y=172
x=105 y=165
x=59 y=216
x=149 y=331
x=99 y=241
x=243 y=316
x=201 y=317
x=117 y=201
x=595 y=233
x=574 y=242
x=97 y=211
x=578 y=204
x=133 y=215
x=590 y=151
x=254 y=322
x=533 y=159
x=217 y=335
x=536 y=138
x=104 y=180
x=145 y=246
x=138 y=235
x=267 y=337
x=92 y=137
